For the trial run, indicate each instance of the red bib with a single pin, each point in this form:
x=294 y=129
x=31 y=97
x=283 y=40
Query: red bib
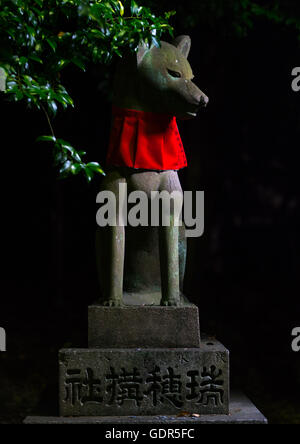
x=145 y=140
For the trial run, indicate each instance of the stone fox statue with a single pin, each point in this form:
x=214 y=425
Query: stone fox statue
x=152 y=88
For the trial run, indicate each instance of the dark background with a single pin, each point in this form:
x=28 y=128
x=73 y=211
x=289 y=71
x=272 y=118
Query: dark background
x=243 y=273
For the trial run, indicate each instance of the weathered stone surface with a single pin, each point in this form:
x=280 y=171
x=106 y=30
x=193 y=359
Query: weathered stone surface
x=143 y=326
x=241 y=411
x=120 y=382
x=148 y=298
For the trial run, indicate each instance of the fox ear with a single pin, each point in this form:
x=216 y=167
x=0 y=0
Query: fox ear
x=141 y=51
x=183 y=44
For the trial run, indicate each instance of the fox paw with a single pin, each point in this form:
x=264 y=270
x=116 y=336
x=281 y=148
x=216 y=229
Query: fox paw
x=170 y=303
x=113 y=303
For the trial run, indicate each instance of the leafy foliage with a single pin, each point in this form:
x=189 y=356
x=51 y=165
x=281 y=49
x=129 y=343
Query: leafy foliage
x=39 y=38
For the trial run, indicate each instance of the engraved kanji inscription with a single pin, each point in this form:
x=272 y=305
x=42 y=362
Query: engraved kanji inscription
x=193 y=385
x=73 y=386
x=201 y=388
x=166 y=387
x=93 y=388
x=154 y=389
x=124 y=386
x=211 y=387
x=206 y=387
x=82 y=389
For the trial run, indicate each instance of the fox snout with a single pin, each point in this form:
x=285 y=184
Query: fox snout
x=203 y=101
x=200 y=101
x=196 y=98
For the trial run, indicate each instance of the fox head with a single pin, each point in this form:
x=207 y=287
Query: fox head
x=159 y=79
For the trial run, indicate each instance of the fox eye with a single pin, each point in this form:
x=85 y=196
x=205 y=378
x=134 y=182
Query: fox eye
x=175 y=74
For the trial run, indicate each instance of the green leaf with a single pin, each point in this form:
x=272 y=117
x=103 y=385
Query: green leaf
x=76 y=168
x=94 y=166
x=68 y=99
x=62 y=63
x=135 y=8
x=46 y=139
x=52 y=106
x=78 y=63
x=35 y=58
x=121 y=9
x=65 y=167
x=68 y=147
x=52 y=44
x=23 y=60
x=89 y=174
x=169 y=14
x=19 y=95
x=39 y=2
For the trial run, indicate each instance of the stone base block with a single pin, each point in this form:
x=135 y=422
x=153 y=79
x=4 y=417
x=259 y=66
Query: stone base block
x=122 y=382
x=241 y=411
x=143 y=326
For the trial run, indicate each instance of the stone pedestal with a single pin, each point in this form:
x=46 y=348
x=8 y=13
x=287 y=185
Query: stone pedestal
x=146 y=364
x=144 y=360
x=143 y=326
x=141 y=381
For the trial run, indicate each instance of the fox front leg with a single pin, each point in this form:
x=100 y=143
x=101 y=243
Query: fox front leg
x=110 y=249
x=115 y=276
x=110 y=243
x=169 y=264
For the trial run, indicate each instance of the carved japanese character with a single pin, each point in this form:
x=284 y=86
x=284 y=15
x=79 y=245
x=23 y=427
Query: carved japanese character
x=193 y=384
x=155 y=387
x=211 y=387
x=167 y=387
x=125 y=386
x=82 y=389
x=73 y=384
